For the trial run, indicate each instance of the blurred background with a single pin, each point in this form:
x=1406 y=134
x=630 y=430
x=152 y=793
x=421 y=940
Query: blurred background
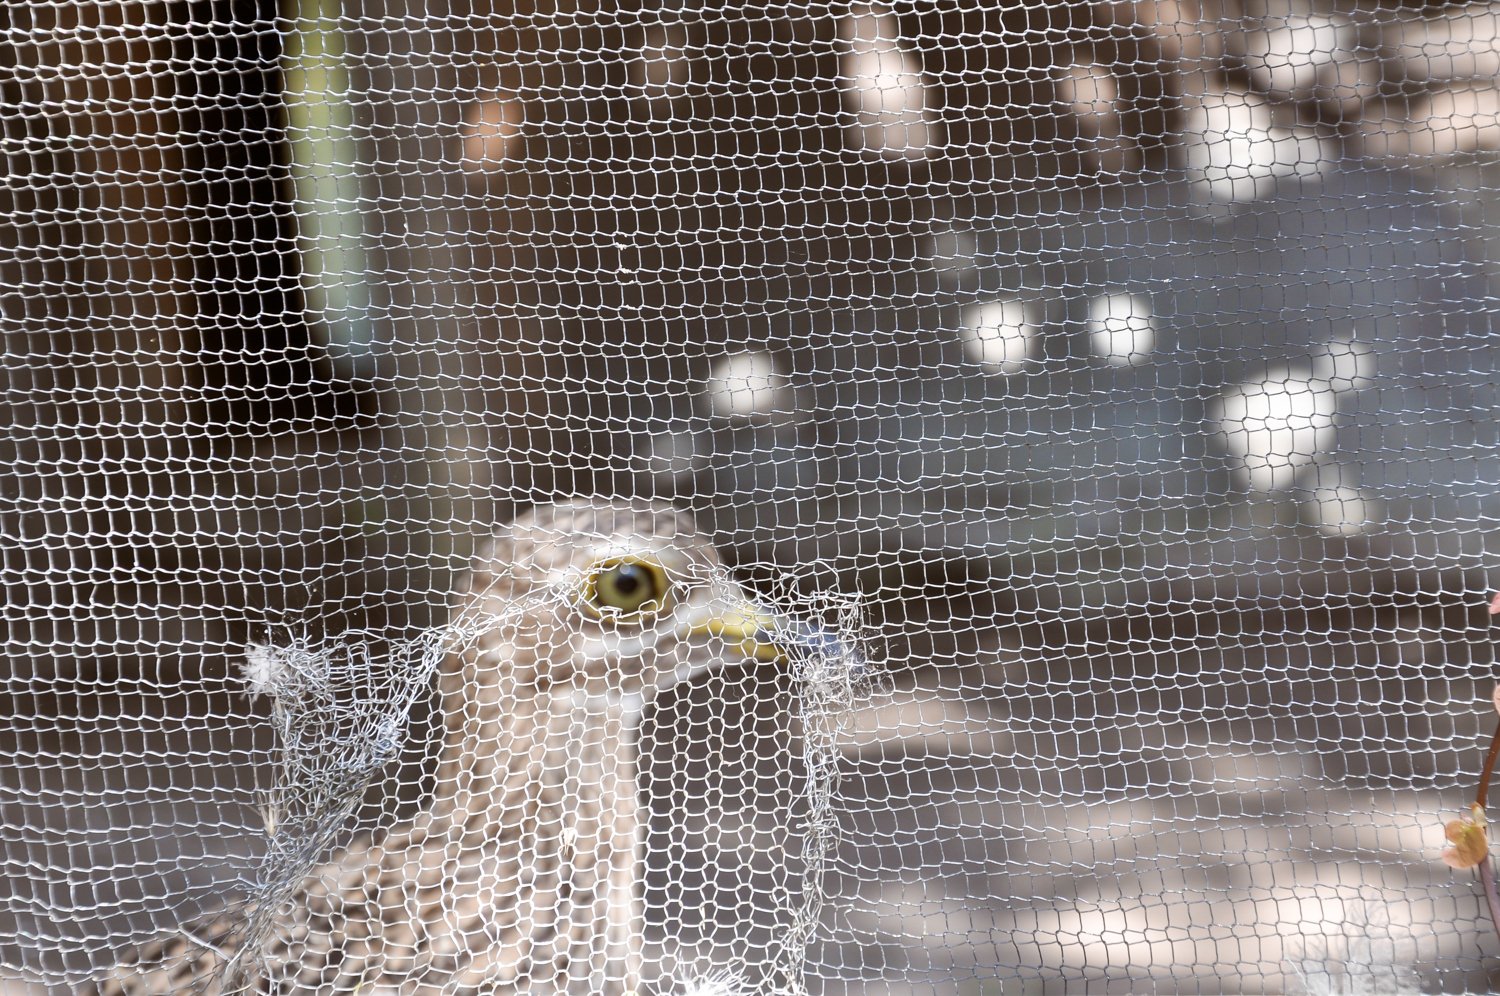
x=1134 y=360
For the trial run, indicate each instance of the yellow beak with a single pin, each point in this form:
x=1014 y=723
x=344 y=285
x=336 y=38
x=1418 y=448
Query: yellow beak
x=746 y=627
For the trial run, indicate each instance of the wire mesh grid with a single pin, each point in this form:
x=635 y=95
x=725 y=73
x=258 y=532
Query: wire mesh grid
x=1057 y=440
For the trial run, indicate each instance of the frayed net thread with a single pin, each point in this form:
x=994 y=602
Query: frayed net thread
x=339 y=717
x=266 y=669
x=829 y=679
x=725 y=982
x=721 y=983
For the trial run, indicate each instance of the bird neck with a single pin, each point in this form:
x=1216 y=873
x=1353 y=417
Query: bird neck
x=534 y=747
x=539 y=797
x=527 y=859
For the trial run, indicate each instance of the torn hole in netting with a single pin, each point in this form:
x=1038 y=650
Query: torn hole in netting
x=723 y=788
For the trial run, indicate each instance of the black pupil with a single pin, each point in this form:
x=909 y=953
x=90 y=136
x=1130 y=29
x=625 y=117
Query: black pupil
x=629 y=579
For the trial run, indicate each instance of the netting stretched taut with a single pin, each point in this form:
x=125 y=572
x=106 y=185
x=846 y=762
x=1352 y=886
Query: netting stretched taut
x=850 y=498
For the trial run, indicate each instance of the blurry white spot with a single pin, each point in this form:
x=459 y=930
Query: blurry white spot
x=1276 y=427
x=663 y=69
x=743 y=385
x=672 y=453
x=883 y=86
x=1346 y=365
x=1090 y=98
x=1121 y=329
x=1092 y=94
x=1232 y=146
x=490 y=131
x=1296 y=55
x=998 y=336
x=1335 y=503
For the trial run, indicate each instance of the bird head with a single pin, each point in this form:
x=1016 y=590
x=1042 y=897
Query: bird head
x=623 y=602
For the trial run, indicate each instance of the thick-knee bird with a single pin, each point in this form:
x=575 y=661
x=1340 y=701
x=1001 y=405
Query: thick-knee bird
x=522 y=873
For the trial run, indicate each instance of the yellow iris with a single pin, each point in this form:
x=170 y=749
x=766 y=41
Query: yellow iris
x=627 y=588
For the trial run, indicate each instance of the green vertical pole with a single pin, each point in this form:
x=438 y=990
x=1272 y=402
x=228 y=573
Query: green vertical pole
x=326 y=188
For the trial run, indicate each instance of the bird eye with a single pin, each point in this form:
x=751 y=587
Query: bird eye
x=628 y=587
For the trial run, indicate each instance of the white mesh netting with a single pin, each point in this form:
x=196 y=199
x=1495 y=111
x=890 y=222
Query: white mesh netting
x=921 y=497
